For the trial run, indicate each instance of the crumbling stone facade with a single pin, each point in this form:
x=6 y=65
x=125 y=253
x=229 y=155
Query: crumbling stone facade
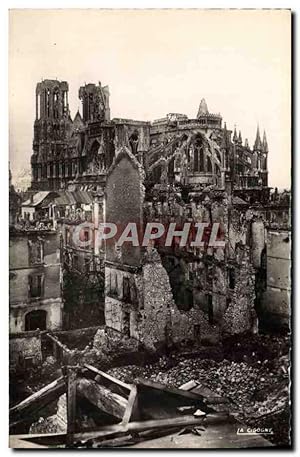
x=35 y=280
x=168 y=296
x=277 y=296
x=174 y=169
x=25 y=350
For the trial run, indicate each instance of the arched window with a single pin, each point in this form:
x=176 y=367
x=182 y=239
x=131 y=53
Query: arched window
x=48 y=102
x=96 y=161
x=55 y=103
x=196 y=160
x=201 y=161
x=198 y=155
x=209 y=165
x=171 y=169
x=36 y=320
x=95 y=148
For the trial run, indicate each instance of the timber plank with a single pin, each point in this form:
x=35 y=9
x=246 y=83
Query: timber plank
x=71 y=404
x=174 y=391
x=102 y=398
x=125 y=387
x=131 y=410
x=38 y=400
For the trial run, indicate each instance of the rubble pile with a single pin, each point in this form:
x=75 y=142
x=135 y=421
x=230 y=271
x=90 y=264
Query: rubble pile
x=258 y=390
x=243 y=384
x=251 y=374
x=56 y=423
x=127 y=414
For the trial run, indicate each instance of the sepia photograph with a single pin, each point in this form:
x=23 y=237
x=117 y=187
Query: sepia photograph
x=150 y=228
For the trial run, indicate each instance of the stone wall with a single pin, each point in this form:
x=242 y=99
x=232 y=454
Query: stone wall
x=156 y=321
x=124 y=204
x=19 y=283
x=276 y=300
x=258 y=241
x=23 y=267
x=123 y=296
x=183 y=295
x=240 y=315
x=53 y=308
x=192 y=300
x=25 y=350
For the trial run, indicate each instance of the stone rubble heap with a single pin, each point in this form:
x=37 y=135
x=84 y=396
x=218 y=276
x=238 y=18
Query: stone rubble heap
x=254 y=390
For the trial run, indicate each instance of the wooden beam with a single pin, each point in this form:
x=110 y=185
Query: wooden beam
x=59 y=343
x=103 y=398
x=47 y=439
x=71 y=404
x=108 y=378
x=170 y=390
x=16 y=443
x=113 y=431
x=38 y=400
x=132 y=406
x=116 y=430
x=189 y=385
x=211 y=397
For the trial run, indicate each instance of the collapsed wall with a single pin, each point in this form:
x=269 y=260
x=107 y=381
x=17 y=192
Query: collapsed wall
x=143 y=301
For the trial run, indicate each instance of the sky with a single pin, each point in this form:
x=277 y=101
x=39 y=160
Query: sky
x=156 y=62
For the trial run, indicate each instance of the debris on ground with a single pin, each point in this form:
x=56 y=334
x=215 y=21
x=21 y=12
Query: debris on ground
x=258 y=388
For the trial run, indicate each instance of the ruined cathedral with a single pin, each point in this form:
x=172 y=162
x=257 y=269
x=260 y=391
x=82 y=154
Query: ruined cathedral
x=174 y=169
x=175 y=150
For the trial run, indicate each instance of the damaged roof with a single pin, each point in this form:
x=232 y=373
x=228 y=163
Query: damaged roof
x=68 y=198
x=62 y=198
x=36 y=199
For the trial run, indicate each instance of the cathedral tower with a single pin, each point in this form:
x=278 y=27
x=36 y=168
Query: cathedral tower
x=95 y=102
x=52 y=128
x=51 y=99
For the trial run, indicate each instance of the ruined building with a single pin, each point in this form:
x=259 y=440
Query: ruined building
x=35 y=290
x=79 y=152
x=177 y=295
x=173 y=169
x=35 y=271
x=277 y=296
x=82 y=260
x=71 y=151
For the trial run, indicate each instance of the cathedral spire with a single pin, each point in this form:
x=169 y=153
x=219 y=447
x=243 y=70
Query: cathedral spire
x=257 y=144
x=240 y=141
x=225 y=136
x=235 y=137
x=203 y=110
x=246 y=143
x=265 y=147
